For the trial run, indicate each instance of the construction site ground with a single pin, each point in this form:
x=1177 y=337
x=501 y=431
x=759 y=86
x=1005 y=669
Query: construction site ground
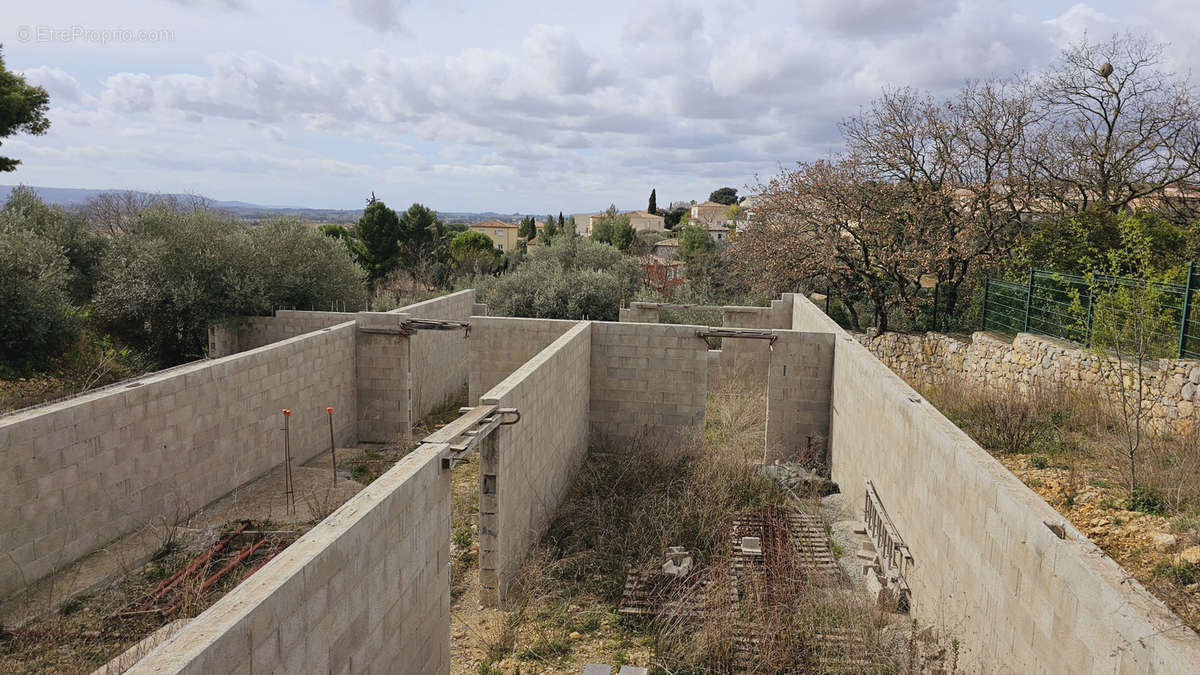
x=79 y=619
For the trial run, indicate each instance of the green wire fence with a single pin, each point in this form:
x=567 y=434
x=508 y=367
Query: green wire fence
x=1060 y=305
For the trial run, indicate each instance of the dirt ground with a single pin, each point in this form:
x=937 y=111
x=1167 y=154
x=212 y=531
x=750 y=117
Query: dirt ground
x=76 y=620
x=1076 y=464
x=544 y=638
x=1148 y=546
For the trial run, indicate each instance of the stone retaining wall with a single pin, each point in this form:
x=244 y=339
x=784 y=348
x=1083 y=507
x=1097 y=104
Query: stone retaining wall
x=995 y=362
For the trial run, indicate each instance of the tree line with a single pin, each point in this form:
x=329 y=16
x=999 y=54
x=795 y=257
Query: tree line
x=154 y=281
x=1058 y=169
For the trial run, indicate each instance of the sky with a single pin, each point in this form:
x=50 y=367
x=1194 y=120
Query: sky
x=467 y=105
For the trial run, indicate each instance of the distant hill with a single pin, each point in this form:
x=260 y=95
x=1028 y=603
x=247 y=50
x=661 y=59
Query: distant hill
x=73 y=197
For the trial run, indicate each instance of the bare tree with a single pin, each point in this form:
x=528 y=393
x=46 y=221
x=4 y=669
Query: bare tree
x=924 y=187
x=1118 y=129
x=114 y=212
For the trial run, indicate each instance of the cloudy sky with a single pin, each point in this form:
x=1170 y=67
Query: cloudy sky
x=472 y=105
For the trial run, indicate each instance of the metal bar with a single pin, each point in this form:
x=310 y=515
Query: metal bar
x=332 y=447
x=289 y=490
x=170 y=582
x=986 y=289
x=1028 y=299
x=1187 y=306
x=736 y=333
x=461 y=424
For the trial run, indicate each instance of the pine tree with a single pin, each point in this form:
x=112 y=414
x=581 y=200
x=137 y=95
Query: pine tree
x=379 y=231
x=527 y=229
x=652 y=208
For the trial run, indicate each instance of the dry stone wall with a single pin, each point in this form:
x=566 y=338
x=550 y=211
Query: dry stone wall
x=1172 y=387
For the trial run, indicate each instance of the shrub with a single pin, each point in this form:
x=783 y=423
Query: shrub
x=37 y=321
x=1182 y=573
x=1146 y=500
x=1010 y=422
x=303 y=268
x=162 y=285
x=570 y=278
x=77 y=241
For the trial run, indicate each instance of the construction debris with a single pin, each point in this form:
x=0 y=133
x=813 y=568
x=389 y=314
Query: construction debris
x=799 y=479
x=679 y=562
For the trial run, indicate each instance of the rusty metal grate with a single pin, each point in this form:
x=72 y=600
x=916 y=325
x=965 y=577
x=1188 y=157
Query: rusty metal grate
x=652 y=593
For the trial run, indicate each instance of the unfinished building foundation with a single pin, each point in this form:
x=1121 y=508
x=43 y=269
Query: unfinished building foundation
x=367 y=589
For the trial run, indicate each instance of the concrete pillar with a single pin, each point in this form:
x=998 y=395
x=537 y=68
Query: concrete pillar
x=383 y=364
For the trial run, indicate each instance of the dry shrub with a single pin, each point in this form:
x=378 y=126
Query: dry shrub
x=1170 y=470
x=628 y=505
x=321 y=502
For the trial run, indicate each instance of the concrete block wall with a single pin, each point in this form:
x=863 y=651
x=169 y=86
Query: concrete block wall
x=366 y=590
x=439 y=359
x=799 y=379
x=383 y=370
x=527 y=467
x=986 y=565
x=242 y=333
x=747 y=358
x=83 y=472
x=646 y=378
x=500 y=345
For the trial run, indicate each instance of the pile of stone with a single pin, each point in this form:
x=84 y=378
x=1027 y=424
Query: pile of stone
x=799 y=479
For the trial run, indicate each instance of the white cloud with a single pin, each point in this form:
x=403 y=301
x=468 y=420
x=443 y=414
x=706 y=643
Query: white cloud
x=379 y=15
x=490 y=106
x=60 y=84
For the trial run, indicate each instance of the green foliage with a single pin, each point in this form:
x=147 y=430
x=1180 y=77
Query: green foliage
x=672 y=218
x=1081 y=243
x=37 y=321
x=422 y=243
x=569 y=278
x=527 y=229
x=22 y=109
x=163 y=284
x=1128 y=328
x=344 y=235
x=613 y=228
x=379 y=231
x=698 y=251
x=473 y=253
x=1146 y=500
x=1182 y=573
x=551 y=229
x=1038 y=462
x=81 y=245
x=302 y=268
x=652 y=206
x=725 y=195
